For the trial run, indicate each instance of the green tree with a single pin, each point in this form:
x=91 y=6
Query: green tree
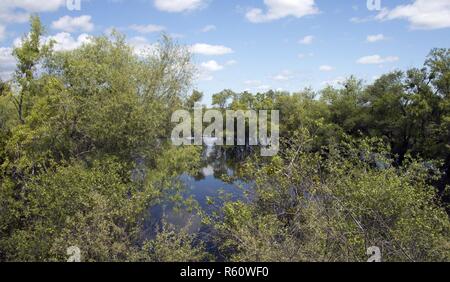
x=221 y=99
x=29 y=54
x=196 y=97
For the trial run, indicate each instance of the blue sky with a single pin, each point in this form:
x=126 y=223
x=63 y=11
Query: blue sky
x=253 y=45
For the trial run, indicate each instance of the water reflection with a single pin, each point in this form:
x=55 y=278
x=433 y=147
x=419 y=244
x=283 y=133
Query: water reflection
x=218 y=163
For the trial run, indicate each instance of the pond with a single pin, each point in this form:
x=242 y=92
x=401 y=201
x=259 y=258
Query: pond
x=208 y=183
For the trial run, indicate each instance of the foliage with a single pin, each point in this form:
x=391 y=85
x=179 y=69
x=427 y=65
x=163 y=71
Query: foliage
x=332 y=206
x=82 y=152
x=85 y=156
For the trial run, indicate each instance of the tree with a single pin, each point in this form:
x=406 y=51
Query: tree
x=438 y=64
x=29 y=54
x=196 y=97
x=221 y=99
x=347 y=106
x=4 y=87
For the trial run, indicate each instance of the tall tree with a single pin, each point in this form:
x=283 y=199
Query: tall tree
x=29 y=54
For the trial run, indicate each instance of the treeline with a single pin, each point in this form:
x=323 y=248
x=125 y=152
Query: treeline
x=85 y=155
x=408 y=110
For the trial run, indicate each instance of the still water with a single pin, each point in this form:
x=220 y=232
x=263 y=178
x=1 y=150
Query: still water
x=208 y=183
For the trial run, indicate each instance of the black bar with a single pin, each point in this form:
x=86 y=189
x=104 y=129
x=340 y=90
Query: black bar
x=221 y=271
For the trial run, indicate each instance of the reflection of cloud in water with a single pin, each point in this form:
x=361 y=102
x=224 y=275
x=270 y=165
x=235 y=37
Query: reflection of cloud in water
x=207 y=184
x=182 y=219
x=177 y=218
x=208 y=171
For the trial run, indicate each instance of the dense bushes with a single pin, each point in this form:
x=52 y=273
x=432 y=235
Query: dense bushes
x=333 y=205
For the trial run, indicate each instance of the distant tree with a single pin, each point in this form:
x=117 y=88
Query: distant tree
x=196 y=97
x=346 y=105
x=221 y=99
x=438 y=64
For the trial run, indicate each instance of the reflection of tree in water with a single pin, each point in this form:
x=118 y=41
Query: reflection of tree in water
x=223 y=161
x=199 y=176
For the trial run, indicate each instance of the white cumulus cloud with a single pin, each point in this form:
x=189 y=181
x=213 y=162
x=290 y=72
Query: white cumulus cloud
x=210 y=50
x=211 y=66
x=19 y=10
x=277 y=9
x=209 y=28
x=147 y=28
x=231 y=63
x=283 y=76
x=307 y=40
x=7 y=63
x=74 y=24
x=66 y=42
x=326 y=68
x=375 y=38
x=177 y=6
x=421 y=14
x=376 y=60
